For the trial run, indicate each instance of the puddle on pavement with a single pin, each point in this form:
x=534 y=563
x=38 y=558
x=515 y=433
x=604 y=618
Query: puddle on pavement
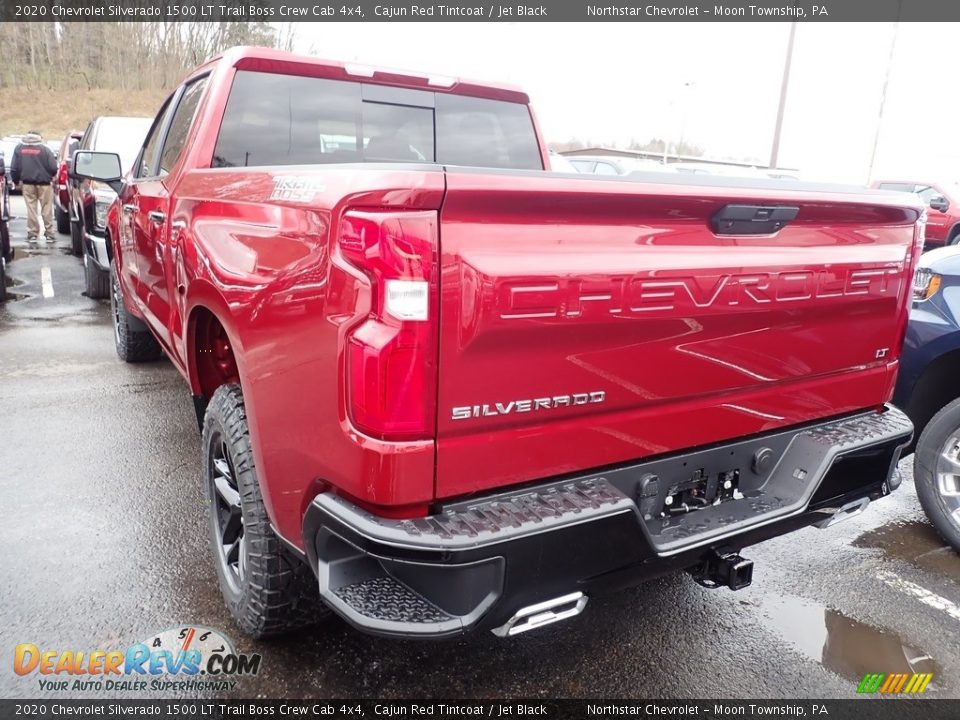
x=22 y=253
x=915 y=542
x=841 y=644
x=11 y=284
x=12 y=294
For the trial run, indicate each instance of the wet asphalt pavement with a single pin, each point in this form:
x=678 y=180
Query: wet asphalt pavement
x=105 y=541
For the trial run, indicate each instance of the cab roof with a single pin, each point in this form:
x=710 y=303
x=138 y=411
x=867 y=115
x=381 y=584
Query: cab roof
x=286 y=63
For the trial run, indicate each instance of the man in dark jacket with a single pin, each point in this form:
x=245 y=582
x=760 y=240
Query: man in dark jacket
x=34 y=166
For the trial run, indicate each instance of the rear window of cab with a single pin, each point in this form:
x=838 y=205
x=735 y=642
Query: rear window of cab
x=292 y=120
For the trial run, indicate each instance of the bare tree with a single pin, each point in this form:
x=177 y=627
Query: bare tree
x=123 y=56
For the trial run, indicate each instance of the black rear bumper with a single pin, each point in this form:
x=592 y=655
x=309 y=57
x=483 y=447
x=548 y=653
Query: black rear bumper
x=475 y=563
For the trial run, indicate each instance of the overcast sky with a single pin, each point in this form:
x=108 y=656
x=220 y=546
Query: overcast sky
x=712 y=84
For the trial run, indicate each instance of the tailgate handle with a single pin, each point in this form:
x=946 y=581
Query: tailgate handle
x=752 y=219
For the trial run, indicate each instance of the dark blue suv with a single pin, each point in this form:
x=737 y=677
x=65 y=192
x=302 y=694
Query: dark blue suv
x=928 y=387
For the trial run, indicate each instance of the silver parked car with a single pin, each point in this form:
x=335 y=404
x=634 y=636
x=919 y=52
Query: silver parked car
x=615 y=165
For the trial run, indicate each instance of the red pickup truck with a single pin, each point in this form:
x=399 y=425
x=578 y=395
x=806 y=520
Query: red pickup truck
x=442 y=388
x=943 y=213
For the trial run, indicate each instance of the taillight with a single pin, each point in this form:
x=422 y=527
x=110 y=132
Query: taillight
x=913 y=258
x=392 y=355
x=62 y=175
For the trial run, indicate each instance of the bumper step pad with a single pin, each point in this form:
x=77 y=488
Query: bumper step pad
x=386 y=599
x=862 y=431
x=517 y=511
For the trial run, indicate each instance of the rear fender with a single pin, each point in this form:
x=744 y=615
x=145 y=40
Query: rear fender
x=204 y=296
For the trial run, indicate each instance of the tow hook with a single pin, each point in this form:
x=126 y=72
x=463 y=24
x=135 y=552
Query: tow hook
x=724 y=569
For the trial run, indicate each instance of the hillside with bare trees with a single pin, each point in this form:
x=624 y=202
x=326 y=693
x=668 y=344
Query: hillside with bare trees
x=57 y=76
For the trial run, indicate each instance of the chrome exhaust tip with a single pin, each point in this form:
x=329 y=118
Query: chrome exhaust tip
x=544 y=613
x=851 y=509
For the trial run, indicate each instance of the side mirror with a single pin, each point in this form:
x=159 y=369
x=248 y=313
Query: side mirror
x=939 y=202
x=100 y=166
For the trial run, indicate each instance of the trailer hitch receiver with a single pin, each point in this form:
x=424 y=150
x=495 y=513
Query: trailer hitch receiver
x=724 y=569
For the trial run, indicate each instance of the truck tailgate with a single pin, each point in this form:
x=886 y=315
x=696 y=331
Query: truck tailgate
x=588 y=322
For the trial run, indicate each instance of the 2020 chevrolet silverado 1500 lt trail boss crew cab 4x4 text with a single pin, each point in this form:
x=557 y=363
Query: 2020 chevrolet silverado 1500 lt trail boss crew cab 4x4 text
x=455 y=391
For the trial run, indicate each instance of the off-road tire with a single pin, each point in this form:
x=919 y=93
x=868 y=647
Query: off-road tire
x=932 y=440
x=97 y=281
x=134 y=342
x=76 y=238
x=276 y=592
x=62 y=218
x=6 y=250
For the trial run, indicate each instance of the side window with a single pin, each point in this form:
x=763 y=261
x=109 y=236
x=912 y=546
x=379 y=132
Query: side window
x=180 y=125
x=927 y=192
x=148 y=158
x=605 y=169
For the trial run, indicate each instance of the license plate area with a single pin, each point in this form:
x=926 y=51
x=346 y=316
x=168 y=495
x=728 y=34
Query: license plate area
x=697 y=490
x=702 y=489
x=706 y=495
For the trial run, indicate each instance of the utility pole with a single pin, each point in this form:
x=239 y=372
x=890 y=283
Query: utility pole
x=683 y=114
x=775 y=152
x=685 y=100
x=883 y=94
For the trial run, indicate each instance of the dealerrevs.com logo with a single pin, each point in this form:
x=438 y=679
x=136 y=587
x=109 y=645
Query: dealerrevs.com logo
x=185 y=658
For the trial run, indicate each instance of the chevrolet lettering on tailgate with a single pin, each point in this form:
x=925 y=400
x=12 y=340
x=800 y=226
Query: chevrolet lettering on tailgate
x=643 y=294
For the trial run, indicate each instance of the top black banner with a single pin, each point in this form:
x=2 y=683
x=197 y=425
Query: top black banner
x=478 y=11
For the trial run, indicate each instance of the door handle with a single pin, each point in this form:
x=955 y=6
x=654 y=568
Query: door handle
x=157 y=216
x=130 y=208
